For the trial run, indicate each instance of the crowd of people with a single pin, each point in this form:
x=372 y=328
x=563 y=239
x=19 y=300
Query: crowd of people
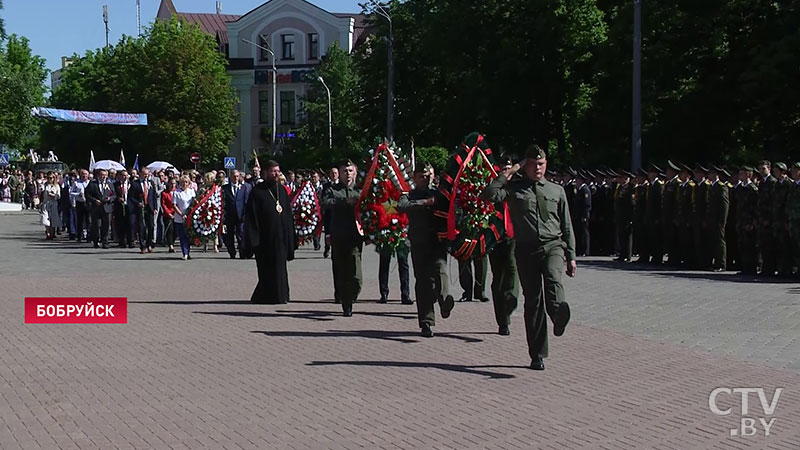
x=704 y=218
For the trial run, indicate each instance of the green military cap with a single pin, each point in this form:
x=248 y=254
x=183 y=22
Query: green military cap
x=611 y=173
x=654 y=168
x=685 y=168
x=626 y=173
x=346 y=162
x=673 y=166
x=642 y=172
x=781 y=166
x=572 y=171
x=699 y=168
x=719 y=170
x=535 y=152
x=747 y=168
x=600 y=173
x=796 y=165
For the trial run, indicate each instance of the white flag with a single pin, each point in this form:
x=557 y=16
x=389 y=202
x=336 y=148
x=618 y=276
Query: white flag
x=122 y=157
x=91 y=160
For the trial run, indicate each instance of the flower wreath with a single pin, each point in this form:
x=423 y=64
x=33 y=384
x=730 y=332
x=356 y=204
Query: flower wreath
x=474 y=226
x=385 y=180
x=205 y=215
x=306 y=213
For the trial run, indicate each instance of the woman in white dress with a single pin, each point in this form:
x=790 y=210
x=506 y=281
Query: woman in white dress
x=182 y=200
x=51 y=195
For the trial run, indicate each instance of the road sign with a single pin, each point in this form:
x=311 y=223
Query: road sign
x=4 y=159
x=195 y=158
x=230 y=162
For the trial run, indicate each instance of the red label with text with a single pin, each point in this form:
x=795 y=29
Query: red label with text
x=76 y=310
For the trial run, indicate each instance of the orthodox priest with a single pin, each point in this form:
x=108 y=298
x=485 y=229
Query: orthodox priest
x=269 y=235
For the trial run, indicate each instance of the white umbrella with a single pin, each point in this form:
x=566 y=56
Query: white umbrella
x=107 y=164
x=160 y=165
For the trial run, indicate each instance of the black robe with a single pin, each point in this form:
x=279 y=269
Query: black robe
x=269 y=236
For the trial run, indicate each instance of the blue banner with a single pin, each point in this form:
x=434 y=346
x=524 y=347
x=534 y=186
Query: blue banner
x=99 y=118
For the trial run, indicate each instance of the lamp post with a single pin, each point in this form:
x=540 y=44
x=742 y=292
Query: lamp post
x=274 y=88
x=636 y=137
x=381 y=11
x=330 y=126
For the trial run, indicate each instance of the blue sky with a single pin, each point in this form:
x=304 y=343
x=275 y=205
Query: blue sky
x=59 y=28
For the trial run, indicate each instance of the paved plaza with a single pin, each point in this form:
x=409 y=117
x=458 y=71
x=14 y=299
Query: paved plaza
x=198 y=366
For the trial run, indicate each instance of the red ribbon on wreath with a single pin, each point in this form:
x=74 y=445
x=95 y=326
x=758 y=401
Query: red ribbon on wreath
x=382 y=147
x=451 y=213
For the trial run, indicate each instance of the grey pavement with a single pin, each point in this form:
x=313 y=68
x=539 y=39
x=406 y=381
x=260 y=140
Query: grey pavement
x=198 y=366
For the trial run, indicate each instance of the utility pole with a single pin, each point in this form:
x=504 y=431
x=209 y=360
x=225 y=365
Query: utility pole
x=138 y=18
x=105 y=20
x=330 y=117
x=636 y=138
x=381 y=11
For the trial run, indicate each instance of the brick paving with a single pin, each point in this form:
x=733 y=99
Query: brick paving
x=197 y=366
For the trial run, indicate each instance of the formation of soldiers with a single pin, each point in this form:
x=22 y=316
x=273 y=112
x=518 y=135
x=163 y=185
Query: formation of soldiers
x=704 y=218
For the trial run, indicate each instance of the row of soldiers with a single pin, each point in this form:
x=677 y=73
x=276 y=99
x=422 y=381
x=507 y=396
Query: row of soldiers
x=704 y=218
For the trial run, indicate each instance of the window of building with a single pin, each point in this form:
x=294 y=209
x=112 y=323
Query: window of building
x=287 y=108
x=263 y=107
x=264 y=42
x=313 y=46
x=288 y=46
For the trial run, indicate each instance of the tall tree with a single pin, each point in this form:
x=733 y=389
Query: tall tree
x=174 y=73
x=22 y=76
x=2 y=24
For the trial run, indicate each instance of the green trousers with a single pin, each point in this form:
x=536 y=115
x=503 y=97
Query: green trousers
x=540 y=271
x=748 y=254
x=346 y=260
x=473 y=282
x=505 y=287
x=430 y=274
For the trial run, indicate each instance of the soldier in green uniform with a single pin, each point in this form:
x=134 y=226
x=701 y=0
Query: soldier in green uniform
x=505 y=285
x=731 y=240
x=766 y=241
x=641 y=241
x=669 y=214
x=623 y=215
x=654 y=198
x=428 y=252
x=717 y=217
x=780 y=224
x=473 y=282
x=544 y=242
x=346 y=238
x=702 y=247
x=793 y=214
x=685 y=217
x=747 y=221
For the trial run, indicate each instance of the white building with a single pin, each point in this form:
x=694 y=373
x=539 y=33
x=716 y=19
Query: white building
x=299 y=33
x=55 y=76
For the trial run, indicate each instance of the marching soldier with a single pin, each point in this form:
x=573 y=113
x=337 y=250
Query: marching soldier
x=641 y=243
x=581 y=208
x=717 y=216
x=428 y=253
x=623 y=215
x=346 y=238
x=780 y=224
x=600 y=215
x=700 y=219
x=766 y=241
x=686 y=210
x=669 y=214
x=544 y=241
x=653 y=215
x=731 y=240
x=747 y=221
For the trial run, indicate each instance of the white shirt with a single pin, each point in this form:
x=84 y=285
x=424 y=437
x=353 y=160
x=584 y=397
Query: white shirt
x=182 y=200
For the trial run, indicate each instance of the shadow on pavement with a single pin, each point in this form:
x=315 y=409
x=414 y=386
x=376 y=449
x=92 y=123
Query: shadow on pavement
x=676 y=272
x=318 y=316
x=395 y=336
x=473 y=370
x=195 y=302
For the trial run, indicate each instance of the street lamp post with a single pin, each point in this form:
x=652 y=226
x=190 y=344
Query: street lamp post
x=274 y=88
x=381 y=11
x=330 y=126
x=636 y=138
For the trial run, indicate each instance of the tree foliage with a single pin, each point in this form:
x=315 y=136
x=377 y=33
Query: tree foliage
x=22 y=76
x=174 y=73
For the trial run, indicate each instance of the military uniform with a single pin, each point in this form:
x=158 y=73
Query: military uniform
x=669 y=219
x=717 y=216
x=346 y=244
x=685 y=224
x=581 y=209
x=428 y=255
x=623 y=219
x=652 y=219
x=702 y=248
x=780 y=223
x=731 y=238
x=505 y=284
x=746 y=224
x=472 y=282
x=766 y=240
x=544 y=240
x=641 y=243
x=793 y=217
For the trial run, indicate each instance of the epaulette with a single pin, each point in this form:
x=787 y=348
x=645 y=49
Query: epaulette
x=658 y=180
x=707 y=183
x=692 y=183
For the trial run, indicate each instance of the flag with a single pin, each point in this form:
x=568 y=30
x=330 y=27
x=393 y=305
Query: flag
x=255 y=155
x=91 y=160
x=122 y=158
x=413 y=156
x=34 y=158
x=136 y=163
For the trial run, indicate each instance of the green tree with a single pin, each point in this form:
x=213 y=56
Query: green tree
x=2 y=24
x=22 y=76
x=174 y=73
x=435 y=156
x=349 y=138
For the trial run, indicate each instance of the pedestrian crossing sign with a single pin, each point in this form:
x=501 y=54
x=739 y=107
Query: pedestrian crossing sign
x=230 y=162
x=3 y=159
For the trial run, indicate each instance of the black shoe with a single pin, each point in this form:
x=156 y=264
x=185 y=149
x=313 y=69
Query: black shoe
x=447 y=306
x=464 y=298
x=426 y=331
x=317 y=248
x=537 y=364
x=96 y=245
x=383 y=299
x=563 y=320
x=105 y=246
x=407 y=301
x=232 y=255
x=80 y=240
x=483 y=299
x=347 y=311
x=503 y=331
x=130 y=245
x=326 y=253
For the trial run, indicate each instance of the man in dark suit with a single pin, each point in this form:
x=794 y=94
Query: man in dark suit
x=141 y=207
x=235 y=195
x=100 y=196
